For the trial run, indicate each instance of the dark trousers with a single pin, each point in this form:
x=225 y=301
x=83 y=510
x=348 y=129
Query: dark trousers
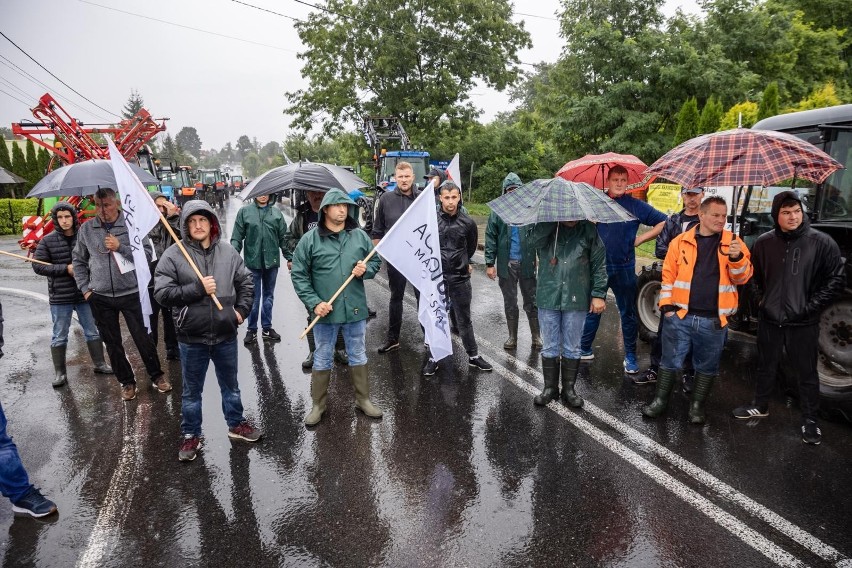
x=801 y=343
x=460 y=295
x=169 y=333
x=657 y=350
x=396 y=283
x=622 y=282
x=509 y=287
x=106 y=310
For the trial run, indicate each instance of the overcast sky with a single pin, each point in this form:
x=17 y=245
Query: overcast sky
x=219 y=65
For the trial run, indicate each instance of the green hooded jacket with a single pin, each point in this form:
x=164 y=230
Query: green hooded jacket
x=498 y=241
x=579 y=273
x=324 y=260
x=265 y=234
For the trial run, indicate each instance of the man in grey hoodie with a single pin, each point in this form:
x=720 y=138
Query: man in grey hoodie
x=110 y=292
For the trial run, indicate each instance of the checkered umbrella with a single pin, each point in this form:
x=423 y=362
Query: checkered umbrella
x=743 y=157
x=593 y=168
x=556 y=199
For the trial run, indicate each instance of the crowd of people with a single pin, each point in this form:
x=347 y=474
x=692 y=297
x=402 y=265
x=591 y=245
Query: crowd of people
x=563 y=270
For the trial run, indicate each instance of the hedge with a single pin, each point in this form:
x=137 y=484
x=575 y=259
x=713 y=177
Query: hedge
x=11 y=211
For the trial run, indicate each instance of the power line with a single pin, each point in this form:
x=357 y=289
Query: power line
x=17 y=88
x=14 y=97
x=55 y=77
x=537 y=16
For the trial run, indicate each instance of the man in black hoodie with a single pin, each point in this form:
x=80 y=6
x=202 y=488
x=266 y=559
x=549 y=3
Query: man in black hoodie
x=798 y=272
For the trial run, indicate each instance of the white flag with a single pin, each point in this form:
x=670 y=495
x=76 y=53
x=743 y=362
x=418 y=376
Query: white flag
x=140 y=215
x=413 y=247
x=454 y=173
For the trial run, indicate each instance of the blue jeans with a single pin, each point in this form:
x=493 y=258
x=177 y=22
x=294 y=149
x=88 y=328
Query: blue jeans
x=622 y=282
x=704 y=336
x=194 y=360
x=354 y=336
x=61 y=314
x=14 y=482
x=561 y=332
x=264 y=291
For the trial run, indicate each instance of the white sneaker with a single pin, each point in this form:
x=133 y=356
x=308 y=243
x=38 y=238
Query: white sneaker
x=587 y=357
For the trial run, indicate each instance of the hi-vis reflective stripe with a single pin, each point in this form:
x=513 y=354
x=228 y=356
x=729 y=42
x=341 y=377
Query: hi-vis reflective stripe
x=665 y=294
x=738 y=270
x=727 y=312
x=682 y=306
x=682 y=284
x=723 y=289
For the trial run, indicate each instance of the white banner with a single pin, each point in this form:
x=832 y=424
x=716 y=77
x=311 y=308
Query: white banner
x=140 y=215
x=454 y=173
x=413 y=247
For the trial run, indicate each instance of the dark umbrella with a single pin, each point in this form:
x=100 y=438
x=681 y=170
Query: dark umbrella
x=593 y=169
x=308 y=176
x=7 y=177
x=556 y=199
x=84 y=178
x=743 y=157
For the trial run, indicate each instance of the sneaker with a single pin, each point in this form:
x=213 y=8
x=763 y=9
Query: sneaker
x=480 y=363
x=811 y=434
x=630 y=365
x=172 y=354
x=34 y=504
x=587 y=356
x=189 y=447
x=270 y=334
x=251 y=337
x=389 y=346
x=649 y=376
x=128 y=392
x=245 y=431
x=163 y=384
x=686 y=381
x=430 y=368
x=747 y=411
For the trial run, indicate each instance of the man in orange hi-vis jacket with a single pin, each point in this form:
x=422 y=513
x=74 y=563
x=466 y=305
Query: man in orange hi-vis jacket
x=702 y=270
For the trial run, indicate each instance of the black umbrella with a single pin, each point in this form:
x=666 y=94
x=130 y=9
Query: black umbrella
x=7 y=177
x=308 y=176
x=84 y=178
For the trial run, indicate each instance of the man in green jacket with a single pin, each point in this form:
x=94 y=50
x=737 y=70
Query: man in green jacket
x=323 y=260
x=509 y=258
x=264 y=231
x=572 y=283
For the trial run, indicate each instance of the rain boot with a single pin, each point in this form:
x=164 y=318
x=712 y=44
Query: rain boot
x=319 y=394
x=308 y=363
x=700 y=392
x=340 y=355
x=666 y=380
x=512 y=343
x=569 y=396
x=96 y=352
x=361 y=382
x=550 y=370
x=535 y=332
x=61 y=374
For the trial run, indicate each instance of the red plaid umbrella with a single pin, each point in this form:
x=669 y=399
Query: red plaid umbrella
x=592 y=169
x=743 y=157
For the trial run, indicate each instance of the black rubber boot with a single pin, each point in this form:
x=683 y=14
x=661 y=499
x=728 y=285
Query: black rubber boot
x=60 y=373
x=535 y=332
x=550 y=370
x=96 y=351
x=512 y=343
x=703 y=384
x=319 y=394
x=569 y=396
x=309 y=362
x=340 y=356
x=666 y=380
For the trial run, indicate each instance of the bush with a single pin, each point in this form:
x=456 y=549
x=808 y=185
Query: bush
x=11 y=211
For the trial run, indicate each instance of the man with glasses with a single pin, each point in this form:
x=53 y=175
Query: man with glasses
x=798 y=271
x=109 y=284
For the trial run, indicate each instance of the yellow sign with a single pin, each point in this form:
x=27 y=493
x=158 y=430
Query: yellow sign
x=665 y=197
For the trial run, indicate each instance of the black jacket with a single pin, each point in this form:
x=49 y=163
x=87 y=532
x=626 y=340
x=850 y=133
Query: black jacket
x=672 y=228
x=56 y=249
x=389 y=209
x=459 y=237
x=796 y=274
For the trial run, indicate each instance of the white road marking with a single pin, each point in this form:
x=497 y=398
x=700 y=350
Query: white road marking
x=36 y=295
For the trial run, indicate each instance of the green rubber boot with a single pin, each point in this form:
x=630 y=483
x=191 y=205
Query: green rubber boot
x=666 y=380
x=512 y=343
x=60 y=376
x=535 y=332
x=319 y=394
x=361 y=382
x=703 y=384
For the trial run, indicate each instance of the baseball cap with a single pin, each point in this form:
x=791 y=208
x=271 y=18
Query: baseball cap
x=697 y=189
x=435 y=172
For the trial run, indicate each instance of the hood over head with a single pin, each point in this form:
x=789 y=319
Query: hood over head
x=64 y=206
x=335 y=196
x=776 y=209
x=200 y=207
x=511 y=180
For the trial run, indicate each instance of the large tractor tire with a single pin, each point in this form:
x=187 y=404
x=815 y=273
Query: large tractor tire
x=648 y=301
x=365 y=213
x=835 y=359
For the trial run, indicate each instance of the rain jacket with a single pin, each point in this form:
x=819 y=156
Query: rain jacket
x=56 y=249
x=197 y=319
x=264 y=232
x=580 y=270
x=159 y=235
x=95 y=268
x=678 y=267
x=324 y=260
x=672 y=228
x=796 y=274
x=459 y=236
x=498 y=240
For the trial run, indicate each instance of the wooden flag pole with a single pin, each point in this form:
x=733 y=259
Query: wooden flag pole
x=336 y=294
x=28 y=259
x=186 y=254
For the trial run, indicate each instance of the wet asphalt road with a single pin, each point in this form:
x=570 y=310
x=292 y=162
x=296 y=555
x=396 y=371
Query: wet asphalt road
x=462 y=471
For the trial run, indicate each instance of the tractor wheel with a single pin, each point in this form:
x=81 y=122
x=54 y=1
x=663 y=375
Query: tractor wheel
x=648 y=300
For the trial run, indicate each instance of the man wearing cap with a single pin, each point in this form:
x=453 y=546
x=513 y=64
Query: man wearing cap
x=798 y=272
x=676 y=224
x=509 y=258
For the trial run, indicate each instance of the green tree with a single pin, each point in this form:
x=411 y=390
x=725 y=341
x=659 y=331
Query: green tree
x=189 y=140
x=711 y=116
x=769 y=102
x=43 y=160
x=169 y=151
x=407 y=58
x=5 y=158
x=731 y=118
x=270 y=150
x=824 y=96
x=226 y=154
x=316 y=148
x=33 y=174
x=6 y=133
x=19 y=162
x=133 y=105
x=244 y=147
x=252 y=165
x=687 y=121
